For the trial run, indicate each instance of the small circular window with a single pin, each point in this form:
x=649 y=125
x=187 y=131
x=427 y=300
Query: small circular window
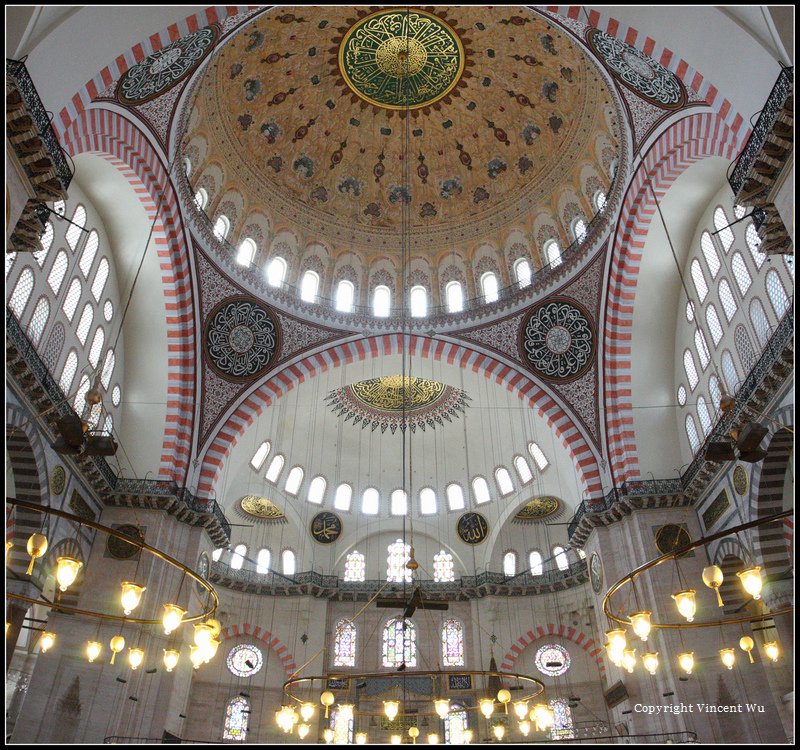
x=681 y=395
x=245 y=660
x=552 y=660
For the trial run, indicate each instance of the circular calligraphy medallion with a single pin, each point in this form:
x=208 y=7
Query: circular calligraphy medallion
x=203 y=569
x=245 y=660
x=596 y=572
x=241 y=338
x=740 y=480
x=123 y=550
x=552 y=660
x=401 y=58
x=557 y=340
x=671 y=537
x=58 y=480
x=326 y=527
x=472 y=528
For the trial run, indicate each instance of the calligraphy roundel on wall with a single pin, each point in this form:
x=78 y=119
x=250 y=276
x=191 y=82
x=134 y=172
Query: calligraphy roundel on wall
x=472 y=528
x=638 y=72
x=596 y=572
x=163 y=69
x=241 y=338
x=557 y=339
x=326 y=527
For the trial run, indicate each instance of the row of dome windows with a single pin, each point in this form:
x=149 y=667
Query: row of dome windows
x=370 y=499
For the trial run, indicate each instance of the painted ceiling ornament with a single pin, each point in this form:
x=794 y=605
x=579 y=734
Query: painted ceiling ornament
x=557 y=339
x=740 y=483
x=163 y=69
x=378 y=403
x=637 y=71
x=401 y=58
x=538 y=509
x=254 y=506
x=241 y=338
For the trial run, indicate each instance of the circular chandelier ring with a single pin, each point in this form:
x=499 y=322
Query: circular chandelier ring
x=673 y=555
x=208 y=610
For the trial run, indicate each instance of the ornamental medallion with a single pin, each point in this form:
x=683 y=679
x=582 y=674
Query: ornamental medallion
x=596 y=572
x=326 y=527
x=740 y=480
x=203 y=569
x=538 y=509
x=672 y=537
x=472 y=528
x=261 y=508
x=401 y=58
x=58 y=480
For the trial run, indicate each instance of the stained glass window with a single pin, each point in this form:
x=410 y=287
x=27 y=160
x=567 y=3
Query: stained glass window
x=455 y=724
x=80 y=395
x=399 y=503
x=562 y=721
x=85 y=323
x=455 y=297
x=355 y=567
x=237 y=558
x=97 y=347
x=682 y=395
x=381 y=302
x=690 y=311
x=579 y=228
x=443 y=567
x=452 y=644
x=552 y=660
x=201 y=198
x=345 y=294
x=370 y=501
x=418 y=299
x=72 y=299
x=600 y=200
x=294 y=480
x=222 y=227
x=245 y=660
x=715 y=391
x=553 y=253
x=309 y=286
x=276 y=271
x=396 y=570
x=263 y=561
x=316 y=490
x=342 y=724
x=344 y=644
x=399 y=635
x=68 y=375
x=510 y=564
x=247 y=252
x=108 y=310
x=116 y=394
x=236 y=717
x=288 y=562
x=274 y=469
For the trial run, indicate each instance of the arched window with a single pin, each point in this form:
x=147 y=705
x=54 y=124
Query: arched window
x=419 y=302
x=275 y=467
x=97 y=346
x=89 y=251
x=309 y=286
x=46 y=242
x=691 y=433
x=316 y=488
x=237 y=558
x=777 y=294
x=396 y=570
x=699 y=280
x=562 y=728
x=561 y=558
x=262 y=561
x=702 y=348
x=682 y=395
x=489 y=287
x=108 y=425
x=276 y=271
x=753 y=244
x=68 y=374
x=344 y=644
x=744 y=349
x=455 y=724
x=480 y=489
x=108 y=370
x=288 y=562
x=80 y=395
x=10 y=258
x=724 y=232
x=355 y=567
x=443 y=570
x=342 y=723
x=455 y=297
x=523 y=272
x=85 y=323
x=710 y=254
x=553 y=253
x=294 y=480
x=740 y=273
x=503 y=479
x=345 y=295
x=260 y=455
x=343 y=497
x=523 y=469
x=399 y=643
x=217 y=553
x=247 y=252
x=535 y=563
x=691 y=369
x=60 y=208
x=579 y=230
x=370 y=502
x=72 y=299
x=427 y=501
x=74 y=230
x=705 y=417
x=59 y=270
x=452 y=643
x=788 y=261
x=690 y=311
x=100 y=278
x=510 y=564
x=41 y=314
x=538 y=456
x=18 y=300
x=758 y=317
x=600 y=201
x=237 y=715
x=381 y=302
x=729 y=372
x=187 y=165
x=116 y=395
x=712 y=319
x=201 y=198
x=727 y=300
x=455 y=497
x=739 y=211
x=399 y=503
x=221 y=227
x=716 y=393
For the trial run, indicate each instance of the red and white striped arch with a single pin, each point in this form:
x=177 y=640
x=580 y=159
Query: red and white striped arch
x=124 y=145
x=262 y=634
x=552 y=631
x=277 y=385
x=688 y=141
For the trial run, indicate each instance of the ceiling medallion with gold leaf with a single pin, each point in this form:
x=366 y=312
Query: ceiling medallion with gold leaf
x=538 y=509
x=264 y=510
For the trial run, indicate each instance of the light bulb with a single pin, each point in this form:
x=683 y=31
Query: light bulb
x=203 y=633
x=37 y=546
x=617 y=640
x=728 y=656
x=686 y=661
x=641 y=624
x=215 y=625
x=433 y=739
x=751 y=580
x=487 y=707
x=171 y=657
x=499 y=731
x=173 y=615
x=46 y=641
x=93 y=649
x=116 y=645
x=525 y=727
x=396 y=739
x=196 y=656
x=131 y=596
x=135 y=657
x=467 y=735
x=712 y=577
x=686 y=604
x=650 y=661
x=772 y=651
x=391 y=709
x=303 y=730
x=67 y=569
x=442 y=706
x=521 y=709
x=327 y=735
x=307 y=711
x=361 y=738
x=629 y=659
x=210 y=649
x=539 y=716
x=746 y=643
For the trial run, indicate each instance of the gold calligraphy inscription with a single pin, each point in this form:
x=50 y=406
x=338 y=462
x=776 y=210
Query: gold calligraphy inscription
x=326 y=527
x=538 y=507
x=401 y=58
x=472 y=528
x=260 y=507
x=387 y=393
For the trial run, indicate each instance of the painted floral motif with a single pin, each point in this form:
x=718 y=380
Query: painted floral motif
x=450 y=188
x=496 y=167
x=304 y=166
x=350 y=186
x=399 y=193
x=530 y=133
x=252 y=87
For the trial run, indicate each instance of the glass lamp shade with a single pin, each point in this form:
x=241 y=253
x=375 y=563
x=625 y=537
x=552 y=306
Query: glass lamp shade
x=307 y=711
x=37 y=546
x=685 y=601
x=215 y=625
x=327 y=735
x=772 y=650
x=93 y=649
x=686 y=661
x=728 y=656
x=361 y=738
x=303 y=730
x=547 y=717
x=499 y=731
x=413 y=732
x=171 y=657
x=615 y=657
x=650 y=661
x=617 y=639
x=67 y=569
x=196 y=656
x=442 y=706
x=396 y=739
x=521 y=709
x=487 y=707
x=210 y=649
x=712 y=577
x=391 y=709
x=433 y=739
x=751 y=580
x=539 y=715
x=203 y=633
x=467 y=736
x=173 y=615
x=135 y=657
x=116 y=645
x=46 y=641
x=525 y=727
x=641 y=624
x=746 y=643
x=131 y=596
x=629 y=659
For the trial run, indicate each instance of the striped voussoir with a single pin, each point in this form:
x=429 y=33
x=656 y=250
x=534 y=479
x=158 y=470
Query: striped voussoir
x=261 y=634
x=688 y=141
x=124 y=145
x=550 y=630
x=573 y=440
